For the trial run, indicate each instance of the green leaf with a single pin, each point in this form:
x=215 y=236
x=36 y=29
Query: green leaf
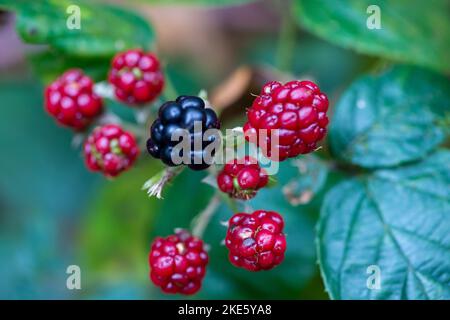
x=413 y=31
x=397 y=219
x=49 y=65
x=105 y=29
x=114 y=236
x=386 y=120
x=38 y=183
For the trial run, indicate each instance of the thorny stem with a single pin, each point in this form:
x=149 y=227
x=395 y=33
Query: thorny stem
x=204 y=217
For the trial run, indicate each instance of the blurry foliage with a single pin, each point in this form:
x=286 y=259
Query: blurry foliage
x=415 y=32
x=114 y=238
x=43 y=193
x=106 y=29
x=49 y=65
x=120 y=226
x=386 y=120
x=313 y=59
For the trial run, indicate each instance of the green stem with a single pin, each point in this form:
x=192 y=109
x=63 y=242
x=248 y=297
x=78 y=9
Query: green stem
x=231 y=203
x=203 y=219
x=286 y=43
x=170 y=92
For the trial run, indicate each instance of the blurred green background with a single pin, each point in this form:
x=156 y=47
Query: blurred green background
x=54 y=213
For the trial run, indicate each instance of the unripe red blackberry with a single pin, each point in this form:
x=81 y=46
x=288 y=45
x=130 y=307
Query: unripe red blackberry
x=136 y=77
x=178 y=263
x=70 y=99
x=295 y=112
x=256 y=241
x=111 y=150
x=242 y=178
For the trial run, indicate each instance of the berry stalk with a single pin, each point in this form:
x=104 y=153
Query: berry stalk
x=286 y=44
x=156 y=184
x=202 y=220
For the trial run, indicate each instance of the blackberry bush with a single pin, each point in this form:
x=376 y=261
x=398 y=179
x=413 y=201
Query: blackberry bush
x=380 y=184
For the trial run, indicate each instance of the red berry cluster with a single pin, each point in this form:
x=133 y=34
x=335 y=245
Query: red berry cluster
x=136 y=77
x=294 y=112
x=178 y=263
x=256 y=241
x=242 y=178
x=111 y=150
x=72 y=101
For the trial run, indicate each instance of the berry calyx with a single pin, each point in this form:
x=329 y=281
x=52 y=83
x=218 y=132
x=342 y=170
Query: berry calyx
x=136 y=77
x=70 y=99
x=256 y=241
x=294 y=113
x=241 y=178
x=186 y=119
x=178 y=263
x=110 y=150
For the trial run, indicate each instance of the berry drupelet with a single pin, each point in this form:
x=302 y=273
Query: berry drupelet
x=111 y=150
x=294 y=112
x=178 y=263
x=136 y=77
x=187 y=118
x=70 y=99
x=242 y=178
x=256 y=241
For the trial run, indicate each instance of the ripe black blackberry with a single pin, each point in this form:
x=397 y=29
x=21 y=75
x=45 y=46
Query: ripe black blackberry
x=185 y=118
